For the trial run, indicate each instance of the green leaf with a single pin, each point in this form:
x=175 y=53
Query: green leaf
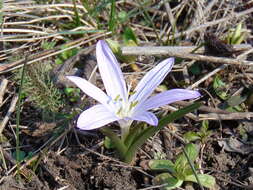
x=122 y=16
x=192 y=151
x=195 y=69
x=166 y=178
x=150 y=131
x=119 y=145
x=237 y=33
x=191 y=136
x=77 y=17
x=58 y=61
x=115 y=46
x=69 y=90
x=108 y=143
x=219 y=87
x=21 y=155
x=205 y=180
x=134 y=132
x=204 y=127
x=129 y=35
x=236 y=100
x=112 y=21
x=182 y=165
x=240 y=39
x=161 y=165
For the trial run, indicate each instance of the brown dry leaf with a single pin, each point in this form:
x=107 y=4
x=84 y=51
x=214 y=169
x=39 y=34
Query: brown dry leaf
x=234 y=145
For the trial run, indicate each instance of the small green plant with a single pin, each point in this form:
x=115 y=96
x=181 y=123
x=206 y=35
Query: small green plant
x=65 y=55
x=220 y=88
x=72 y=93
x=48 y=45
x=201 y=135
x=129 y=39
x=175 y=174
x=40 y=89
x=237 y=35
x=232 y=103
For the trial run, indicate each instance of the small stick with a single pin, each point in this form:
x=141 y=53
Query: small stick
x=202 y=108
x=170 y=15
x=3 y=87
x=229 y=116
x=217 y=70
x=181 y=54
x=194 y=85
x=10 y=111
x=167 y=50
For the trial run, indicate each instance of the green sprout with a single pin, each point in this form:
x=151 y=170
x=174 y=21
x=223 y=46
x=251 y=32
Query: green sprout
x=203 y=134
x=182 y=170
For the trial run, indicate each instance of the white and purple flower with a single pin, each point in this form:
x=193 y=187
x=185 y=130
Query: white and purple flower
x=118 y=104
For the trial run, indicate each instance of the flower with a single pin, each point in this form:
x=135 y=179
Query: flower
x=118 y=104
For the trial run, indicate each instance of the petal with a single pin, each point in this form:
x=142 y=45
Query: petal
x=168 y=97
x=95 y=117
x=151 y=80
x=147 y=117
x=90 y=89
x=110 y=71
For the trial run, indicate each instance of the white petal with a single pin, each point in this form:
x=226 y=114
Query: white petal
x=147 y=117
x=90 y=89
x=110 y=71
x=151 y=80
x=95 y=117
x=168 y=97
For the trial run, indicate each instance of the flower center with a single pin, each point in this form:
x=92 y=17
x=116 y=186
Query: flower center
x=123 y=109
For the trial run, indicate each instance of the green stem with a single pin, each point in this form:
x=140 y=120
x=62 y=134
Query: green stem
x=193 y=169
x=125 y=128
x=119 y=145
x=150 y=131
x=18 y=121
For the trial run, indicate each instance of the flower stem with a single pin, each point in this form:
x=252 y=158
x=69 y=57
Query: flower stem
x=125 y=128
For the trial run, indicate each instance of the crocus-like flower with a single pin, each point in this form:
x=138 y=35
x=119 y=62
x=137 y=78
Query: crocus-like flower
x=118 y=104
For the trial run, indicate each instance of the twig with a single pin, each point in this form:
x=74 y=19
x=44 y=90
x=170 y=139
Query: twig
x=207 y=76
x=203 y=108
x=10 y=111
x=166 y=50
x=172 y=20
x=179 y=53
x=3 y=87
x=229 y=116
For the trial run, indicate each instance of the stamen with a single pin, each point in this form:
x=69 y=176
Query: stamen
x=133 y=104
x=117 y=98
x=131 y=93
x=119 y=111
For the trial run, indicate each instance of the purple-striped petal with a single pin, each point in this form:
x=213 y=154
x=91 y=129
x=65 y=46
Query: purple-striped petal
x=147 y=117
x=110 y=71
x=151 y=80
x=168 y=97
x=95 y=117
x=90 y=89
